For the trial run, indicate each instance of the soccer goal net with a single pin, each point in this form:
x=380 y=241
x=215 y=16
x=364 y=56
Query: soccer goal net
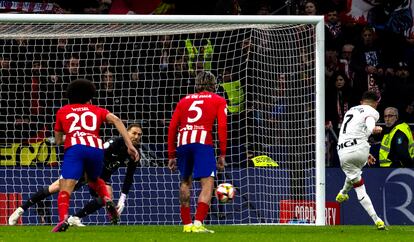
x=269 y=69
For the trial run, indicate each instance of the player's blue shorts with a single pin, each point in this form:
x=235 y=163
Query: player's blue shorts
x=80 y=158
x=197 y=160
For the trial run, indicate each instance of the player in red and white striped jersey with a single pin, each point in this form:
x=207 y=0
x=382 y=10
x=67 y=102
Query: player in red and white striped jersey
x=193 y=120
x=80 y=122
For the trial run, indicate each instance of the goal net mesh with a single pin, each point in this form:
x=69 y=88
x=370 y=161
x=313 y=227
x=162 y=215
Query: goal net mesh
x=265 y=72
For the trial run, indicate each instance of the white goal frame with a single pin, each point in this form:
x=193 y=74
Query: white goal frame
x=318 y=21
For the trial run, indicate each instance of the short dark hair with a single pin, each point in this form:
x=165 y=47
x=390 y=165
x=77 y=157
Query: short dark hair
x=205 y=81
x=370 y=96
x=80 y=91
x=133 y=126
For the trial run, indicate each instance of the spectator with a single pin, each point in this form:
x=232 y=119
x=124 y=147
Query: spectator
x=31 y=6
x=233 y=91
x=398 y=85
x=41 y=120
x=6 y=101
x=110 y=94
x=397 y=145
x=392 y=16
x=58 y=49
x=264 y=8
x=368 y=63
x=333 y=30
x=345 y=62
x=338 y=100
x=16 y=97
x=408 y=114
x=72 y=65
x=165 y=52
x=310 y=8
x=86 y=7
x=199 y=59
x=331 y=63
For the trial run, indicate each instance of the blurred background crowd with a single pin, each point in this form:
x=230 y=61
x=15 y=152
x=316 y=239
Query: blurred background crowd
x=369 y=46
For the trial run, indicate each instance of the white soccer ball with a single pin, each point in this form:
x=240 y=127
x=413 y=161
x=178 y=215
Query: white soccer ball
x=225 y=192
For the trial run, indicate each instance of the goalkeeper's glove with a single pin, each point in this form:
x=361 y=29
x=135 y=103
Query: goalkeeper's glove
x=121 y=203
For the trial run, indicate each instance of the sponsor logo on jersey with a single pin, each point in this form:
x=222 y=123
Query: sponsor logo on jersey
x=346 y=144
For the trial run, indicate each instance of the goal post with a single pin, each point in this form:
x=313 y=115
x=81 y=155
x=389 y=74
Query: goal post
x=270 y=69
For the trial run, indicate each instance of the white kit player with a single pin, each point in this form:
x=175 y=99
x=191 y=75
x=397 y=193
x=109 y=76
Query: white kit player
x=353 y=150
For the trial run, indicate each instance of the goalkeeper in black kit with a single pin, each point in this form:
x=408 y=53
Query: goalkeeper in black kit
x=116 y=155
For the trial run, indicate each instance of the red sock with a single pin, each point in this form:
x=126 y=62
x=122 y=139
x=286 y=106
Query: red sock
x=202 y=210
x=63 y=204
x=358 y=184
x=185 y=214
x=99 y=187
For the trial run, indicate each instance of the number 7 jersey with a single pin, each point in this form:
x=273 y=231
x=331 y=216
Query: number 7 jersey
x=194 y=117
x=354 y=131
x=81 y=124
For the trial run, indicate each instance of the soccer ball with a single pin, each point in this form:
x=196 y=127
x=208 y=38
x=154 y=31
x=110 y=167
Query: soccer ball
x=225 y=192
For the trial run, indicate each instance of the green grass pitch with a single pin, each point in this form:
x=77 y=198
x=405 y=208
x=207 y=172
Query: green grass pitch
x=222 y=233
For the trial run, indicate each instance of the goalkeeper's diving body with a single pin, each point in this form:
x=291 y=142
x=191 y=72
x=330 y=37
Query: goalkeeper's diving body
x=115 y=155
x=190 y=140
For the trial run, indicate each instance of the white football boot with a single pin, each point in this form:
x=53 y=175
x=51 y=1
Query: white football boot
x=15 y=216
x=75 y=221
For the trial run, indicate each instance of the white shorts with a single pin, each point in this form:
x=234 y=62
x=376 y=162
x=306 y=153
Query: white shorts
x=353 y=161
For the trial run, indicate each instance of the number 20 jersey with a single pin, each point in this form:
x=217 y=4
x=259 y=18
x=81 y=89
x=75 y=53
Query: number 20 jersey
x=81 y=124
x=354 y=130
x=194 y=117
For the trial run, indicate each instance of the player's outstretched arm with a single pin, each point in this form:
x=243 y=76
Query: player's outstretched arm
x=127 y=184
x=111 y=118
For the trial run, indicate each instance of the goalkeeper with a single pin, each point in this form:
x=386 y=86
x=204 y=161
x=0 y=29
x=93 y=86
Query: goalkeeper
x=115 y=153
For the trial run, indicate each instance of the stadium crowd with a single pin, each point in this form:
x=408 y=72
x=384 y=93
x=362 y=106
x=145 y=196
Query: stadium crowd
x=371 y=53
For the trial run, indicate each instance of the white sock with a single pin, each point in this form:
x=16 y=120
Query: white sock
x=347 y=187
x=366 y=203
x=197 y=223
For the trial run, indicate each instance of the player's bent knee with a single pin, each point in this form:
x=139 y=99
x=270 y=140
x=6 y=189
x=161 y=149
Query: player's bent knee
x=53 y=188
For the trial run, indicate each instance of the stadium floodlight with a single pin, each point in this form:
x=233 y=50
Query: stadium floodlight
x=269 y=68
